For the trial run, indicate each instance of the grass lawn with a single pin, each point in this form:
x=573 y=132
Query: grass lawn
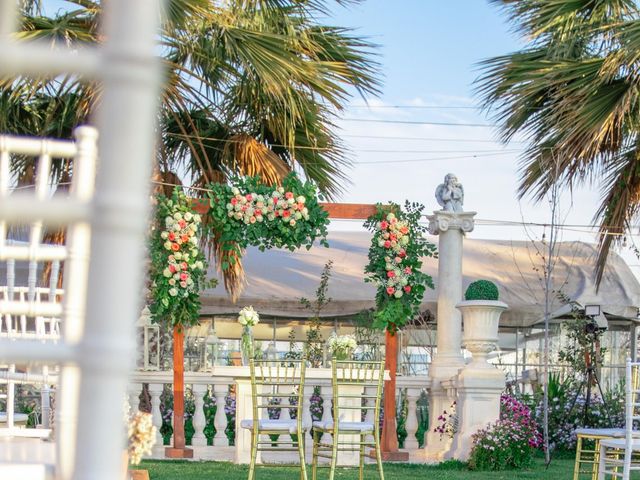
x=183 y=470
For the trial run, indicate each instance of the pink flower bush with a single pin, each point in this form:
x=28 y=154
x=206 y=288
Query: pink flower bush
x=508 y=443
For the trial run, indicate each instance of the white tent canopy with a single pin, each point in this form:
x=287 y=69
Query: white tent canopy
x=277 y=279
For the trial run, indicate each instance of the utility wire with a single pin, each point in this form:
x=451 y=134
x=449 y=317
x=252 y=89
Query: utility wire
x=418 y=122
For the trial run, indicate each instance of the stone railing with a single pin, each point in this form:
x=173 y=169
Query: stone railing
x=227 y=383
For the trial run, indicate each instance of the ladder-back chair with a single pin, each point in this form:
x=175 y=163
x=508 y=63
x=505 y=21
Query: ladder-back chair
x=357 y=391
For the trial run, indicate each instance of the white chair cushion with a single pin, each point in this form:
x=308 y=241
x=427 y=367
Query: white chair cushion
x=604 y=432
x=345 y=426
x=290 y=426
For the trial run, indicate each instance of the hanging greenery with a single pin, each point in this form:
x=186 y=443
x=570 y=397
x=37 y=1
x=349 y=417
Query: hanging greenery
x=395 y=260
x=246 y=212
x=178 y=266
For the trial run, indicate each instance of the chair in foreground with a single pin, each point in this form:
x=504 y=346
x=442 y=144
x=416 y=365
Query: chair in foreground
x=277 y=389
x=618 y=453
x=357 y=391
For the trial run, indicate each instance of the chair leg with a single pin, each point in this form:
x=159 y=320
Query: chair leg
x=376 y=438
x=601 y=462
x=576 y=467
x=314 y=456
x=361 y=476
x=303 y=465
x=254 y=454
x=334 y=455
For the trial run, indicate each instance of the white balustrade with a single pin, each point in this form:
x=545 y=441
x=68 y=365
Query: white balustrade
x=306 y=411
x=223 y=377
x=134 y=396
x=199 y=421
x=220 y=420
x=411 y=442
x=155 y=390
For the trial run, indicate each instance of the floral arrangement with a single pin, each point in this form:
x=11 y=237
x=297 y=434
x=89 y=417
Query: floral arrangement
x=395 y=259
x=508 y=443
x=178 y=266
x=342 y=346
x=448 y=422
x=247 y=212
x=248 y=317
x=141 y=434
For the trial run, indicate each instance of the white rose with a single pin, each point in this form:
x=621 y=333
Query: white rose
x=271 y=217
x=381 y=243
x=188 y=216
x=172 y=282
x=298 y=215
x=404 y=241
x=199 y=265
x=397 y=294
x=173 y=292
x=230 y=214
x=235 y=191
x=167 y=273
x=164 y=235
x=185 y=257
x=280 y=190
x=197 y=218
x=301 y=199
x=168 y=221
x=305 y=211
x=292 y=222
x=177 y=216
x=167 y=245
x=178 y=256
x=291 y=201
x=193 y=240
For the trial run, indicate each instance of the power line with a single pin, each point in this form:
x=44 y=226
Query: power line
x=417 y=107
x=418 y=122
x=430 y=139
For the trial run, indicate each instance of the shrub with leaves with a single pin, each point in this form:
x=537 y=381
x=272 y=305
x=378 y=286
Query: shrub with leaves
x=481 y=290
x=508 y=443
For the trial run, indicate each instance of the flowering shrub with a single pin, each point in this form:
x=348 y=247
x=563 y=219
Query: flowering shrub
x=395 y=259
x=342 y=346
x=448 y=422
x=178 y=266
x=508 y=443
x=251 y=213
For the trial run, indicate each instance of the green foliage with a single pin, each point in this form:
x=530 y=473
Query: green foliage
x=175 y=253
x=262 y=225
x=481 y=290
x=315 y=343
x=395 y=258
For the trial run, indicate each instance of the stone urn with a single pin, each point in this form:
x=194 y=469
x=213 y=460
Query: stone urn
x=480 y=331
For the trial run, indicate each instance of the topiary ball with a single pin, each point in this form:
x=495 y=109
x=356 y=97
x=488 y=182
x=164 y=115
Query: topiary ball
x=481 y=290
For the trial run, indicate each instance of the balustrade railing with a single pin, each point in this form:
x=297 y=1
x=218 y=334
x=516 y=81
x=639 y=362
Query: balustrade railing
x=217 y=400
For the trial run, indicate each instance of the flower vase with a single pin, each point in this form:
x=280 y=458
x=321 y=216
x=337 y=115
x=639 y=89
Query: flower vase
x=343 y=354
x=246 y=345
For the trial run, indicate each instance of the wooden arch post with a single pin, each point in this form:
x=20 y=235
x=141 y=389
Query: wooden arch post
x=389 y=445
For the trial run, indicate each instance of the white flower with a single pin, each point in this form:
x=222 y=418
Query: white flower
x=167 y=245
x=167 y=273
x=291 y=201
x=235 y=191
x=301 y=199
x=199 y=265
x=173 y=292
x=178 y=256
x=292 y=222
x=197 y=218
x=390 y=216
x=188 y=216
x=168 y=221
x=177 y=216
x=280 y=190
x=172 y=282
x=298 y=216
x=248 y=317
x=164 y=235
x=398 y=294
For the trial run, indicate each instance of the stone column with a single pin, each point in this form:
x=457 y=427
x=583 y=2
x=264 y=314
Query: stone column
x=448 y=359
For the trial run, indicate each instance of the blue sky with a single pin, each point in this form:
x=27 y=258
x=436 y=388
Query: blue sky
x=429 y=53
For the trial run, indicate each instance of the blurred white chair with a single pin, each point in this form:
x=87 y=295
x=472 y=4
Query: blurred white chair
x=617 y=454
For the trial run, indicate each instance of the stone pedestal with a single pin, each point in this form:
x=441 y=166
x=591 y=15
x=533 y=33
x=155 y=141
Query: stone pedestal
x=448 y=360
x=479 y=384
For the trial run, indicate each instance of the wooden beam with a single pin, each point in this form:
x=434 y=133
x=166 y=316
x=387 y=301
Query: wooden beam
x=343 y=211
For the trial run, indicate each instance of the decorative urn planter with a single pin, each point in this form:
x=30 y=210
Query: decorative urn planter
x=480 y=328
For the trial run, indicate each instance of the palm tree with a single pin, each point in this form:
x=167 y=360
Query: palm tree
x=252 y=87
x=574 y=93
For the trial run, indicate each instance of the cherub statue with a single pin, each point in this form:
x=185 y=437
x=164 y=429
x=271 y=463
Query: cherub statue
x=450 y=194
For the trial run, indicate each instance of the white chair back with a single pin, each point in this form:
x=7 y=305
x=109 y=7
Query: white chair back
x=107 y=231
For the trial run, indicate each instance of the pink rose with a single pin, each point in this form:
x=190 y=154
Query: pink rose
x=407 y=270
x=384 y=225
x=248 y=197
x=172 y=236
x=391 y=274
x=234 y=201
x=391 y=290
x=172 y=268
x=387 y=244
x=407 y=288
x=183 y=284
x=184 y=265
x=288 y=195
x=183 y=277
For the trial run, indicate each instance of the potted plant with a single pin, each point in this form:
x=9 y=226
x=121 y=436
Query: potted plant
x=481 y=312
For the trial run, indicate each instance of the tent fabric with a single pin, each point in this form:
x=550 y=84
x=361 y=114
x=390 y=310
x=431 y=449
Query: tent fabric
x=277 y=279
